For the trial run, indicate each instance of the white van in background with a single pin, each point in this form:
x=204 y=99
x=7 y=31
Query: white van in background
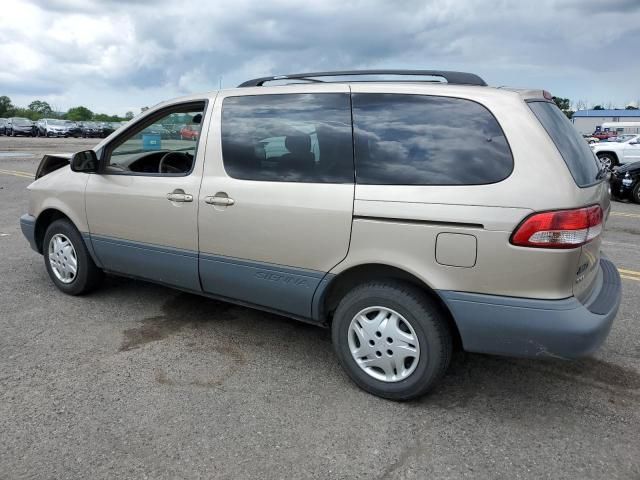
x=621 y=127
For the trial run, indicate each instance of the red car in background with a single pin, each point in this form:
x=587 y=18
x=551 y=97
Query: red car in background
x=190 y=132
x=604 y=135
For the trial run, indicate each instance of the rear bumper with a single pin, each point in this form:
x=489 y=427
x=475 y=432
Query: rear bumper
x=28 y=226
x=523 y=327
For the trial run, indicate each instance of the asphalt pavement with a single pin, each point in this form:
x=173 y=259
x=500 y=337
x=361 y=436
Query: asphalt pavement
x=141 y=381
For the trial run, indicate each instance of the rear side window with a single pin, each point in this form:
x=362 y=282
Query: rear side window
x=574 y=150
x=427 y=140
x=288 y=138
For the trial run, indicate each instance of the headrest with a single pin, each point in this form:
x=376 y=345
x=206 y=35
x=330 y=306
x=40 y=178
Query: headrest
x=197 y=118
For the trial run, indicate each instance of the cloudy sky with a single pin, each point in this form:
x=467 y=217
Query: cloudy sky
x=119 y=55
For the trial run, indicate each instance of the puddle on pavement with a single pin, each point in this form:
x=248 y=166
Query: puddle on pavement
x=182 y=311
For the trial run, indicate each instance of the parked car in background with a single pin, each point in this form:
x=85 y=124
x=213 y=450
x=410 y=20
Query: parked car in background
x=601 y=135
x=51 y=127
x=625 y=182
x=157 y=129
x=73 y=129
x=590 y=139
x=617 y=151
x=190 y=132
x=3 y=126
x=173 y=129
x=107 y=129
x=348 y=205
x=19 y=126
x=90 y=130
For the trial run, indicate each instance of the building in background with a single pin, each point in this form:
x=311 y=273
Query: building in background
x=586 y=121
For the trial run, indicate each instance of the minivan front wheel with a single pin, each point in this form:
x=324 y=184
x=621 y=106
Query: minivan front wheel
x=68 y=261
x=391 y=339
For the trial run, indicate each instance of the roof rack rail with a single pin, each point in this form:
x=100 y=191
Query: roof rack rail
x=454 y=78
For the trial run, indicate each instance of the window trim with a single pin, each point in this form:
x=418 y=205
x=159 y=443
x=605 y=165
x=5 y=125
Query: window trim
x=268 y=94
x=141 y=124
x=355 y=159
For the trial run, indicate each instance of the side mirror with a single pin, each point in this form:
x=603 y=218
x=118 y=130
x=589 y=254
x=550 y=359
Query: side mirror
x=85 y=161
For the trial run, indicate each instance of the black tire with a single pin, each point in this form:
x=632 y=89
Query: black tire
x=608 y=159
x=423 y=315
x=635 y=193
x=88 y=275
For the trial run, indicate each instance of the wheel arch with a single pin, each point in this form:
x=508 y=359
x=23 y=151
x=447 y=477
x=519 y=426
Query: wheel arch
x=46 y=218
x=353 y=276
x=609 y=152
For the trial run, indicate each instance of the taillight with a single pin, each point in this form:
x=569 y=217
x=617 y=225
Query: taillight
x=559 y=228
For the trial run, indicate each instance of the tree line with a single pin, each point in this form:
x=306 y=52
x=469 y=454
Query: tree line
x=568 y=107
x=40 y=109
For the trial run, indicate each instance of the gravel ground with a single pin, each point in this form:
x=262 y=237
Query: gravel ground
x=140 y=381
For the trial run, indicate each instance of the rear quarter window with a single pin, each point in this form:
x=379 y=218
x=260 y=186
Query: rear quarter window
x=427 y=140
x=574 y=149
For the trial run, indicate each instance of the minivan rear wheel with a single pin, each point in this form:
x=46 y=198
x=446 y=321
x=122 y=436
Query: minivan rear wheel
x=68 y=261
x=391 y=339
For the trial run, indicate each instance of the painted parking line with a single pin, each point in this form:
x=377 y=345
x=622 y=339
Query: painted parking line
x=16 y=173
x=624 y=214
x=637 y=279
x=629 y=274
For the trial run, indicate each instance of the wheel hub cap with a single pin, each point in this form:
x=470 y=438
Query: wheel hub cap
x=384 y=344
x=62 y=258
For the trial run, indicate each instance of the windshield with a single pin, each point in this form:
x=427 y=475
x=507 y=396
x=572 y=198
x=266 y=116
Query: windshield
x=21 y=121
x=55 y=122
x=575 y=151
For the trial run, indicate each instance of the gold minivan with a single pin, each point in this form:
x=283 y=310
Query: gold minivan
x=408 y=217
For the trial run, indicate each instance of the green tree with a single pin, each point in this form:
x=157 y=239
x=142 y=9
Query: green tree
x=41 y=107
x=6 y=108
x=564 y=104
x=128 y=115
x=630 y=107
x=26 y=113
x=78 y=114
x=598 y=107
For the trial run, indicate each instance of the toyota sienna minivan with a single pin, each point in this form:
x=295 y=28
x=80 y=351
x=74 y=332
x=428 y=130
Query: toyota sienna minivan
x=408 y=217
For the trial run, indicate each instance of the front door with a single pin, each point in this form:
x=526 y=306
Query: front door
x=276 y=200
x=142 y=206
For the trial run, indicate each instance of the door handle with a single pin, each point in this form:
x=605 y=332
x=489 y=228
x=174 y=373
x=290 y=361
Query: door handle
x=178 y=195
x=219 y=200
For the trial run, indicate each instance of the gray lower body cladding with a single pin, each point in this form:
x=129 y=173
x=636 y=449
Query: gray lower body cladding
x=524 y=327
x=510 y=326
